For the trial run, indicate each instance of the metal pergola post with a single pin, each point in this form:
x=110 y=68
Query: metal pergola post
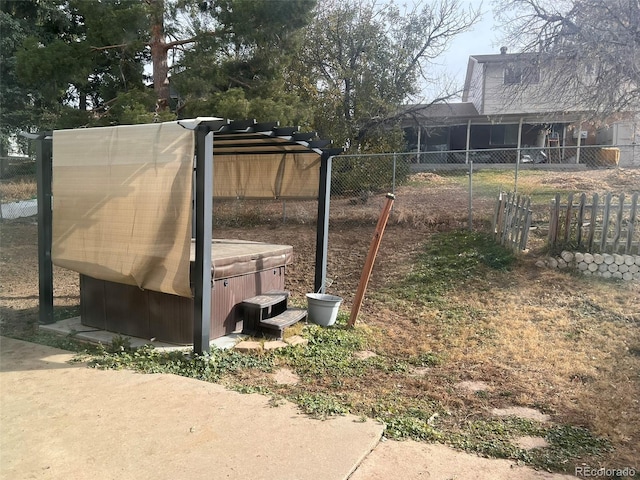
x=44 y=177
x=203 y=220
x=322 y=229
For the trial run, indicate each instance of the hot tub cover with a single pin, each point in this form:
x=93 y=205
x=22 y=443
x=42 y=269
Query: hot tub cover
x=231 y=258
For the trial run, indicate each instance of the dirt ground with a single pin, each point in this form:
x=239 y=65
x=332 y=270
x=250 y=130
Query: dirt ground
x=350 y=235
x=428 y=204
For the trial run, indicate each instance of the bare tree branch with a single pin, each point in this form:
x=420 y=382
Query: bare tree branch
x=109 y=47
x=589 y=47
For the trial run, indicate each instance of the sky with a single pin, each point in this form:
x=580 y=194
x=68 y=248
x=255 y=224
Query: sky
x=482 y=39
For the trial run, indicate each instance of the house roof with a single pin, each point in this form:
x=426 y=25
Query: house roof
x=504 y=57
x=440 y=115
x=440 y=112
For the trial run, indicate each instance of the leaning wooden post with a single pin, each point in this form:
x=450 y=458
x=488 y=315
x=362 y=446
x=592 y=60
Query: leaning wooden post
x=368 y=264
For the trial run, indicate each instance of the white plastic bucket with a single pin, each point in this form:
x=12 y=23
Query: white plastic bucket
x=323 y=309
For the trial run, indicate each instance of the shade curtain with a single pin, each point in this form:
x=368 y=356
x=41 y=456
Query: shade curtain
x=122 y=204
x=266 y=175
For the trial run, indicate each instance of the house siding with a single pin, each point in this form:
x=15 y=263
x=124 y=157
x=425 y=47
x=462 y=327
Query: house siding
x=504 y=99
x=626 y=136
x=476 y=86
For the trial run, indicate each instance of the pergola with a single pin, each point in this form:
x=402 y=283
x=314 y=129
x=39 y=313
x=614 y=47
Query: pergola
x=250 y=159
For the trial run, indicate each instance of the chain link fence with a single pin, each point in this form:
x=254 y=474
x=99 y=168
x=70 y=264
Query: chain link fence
x=537 y=172
x=445 y=190
x=477 y=174
x=18 y=187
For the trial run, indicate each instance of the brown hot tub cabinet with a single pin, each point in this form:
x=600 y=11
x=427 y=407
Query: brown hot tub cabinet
x=241 y=270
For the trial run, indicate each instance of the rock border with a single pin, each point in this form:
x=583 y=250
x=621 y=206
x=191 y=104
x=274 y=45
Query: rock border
x=605 y=265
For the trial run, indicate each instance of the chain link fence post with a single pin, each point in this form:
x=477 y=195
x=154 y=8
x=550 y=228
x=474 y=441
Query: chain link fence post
x=515 y=186
x=470 y=195
x=393 y=181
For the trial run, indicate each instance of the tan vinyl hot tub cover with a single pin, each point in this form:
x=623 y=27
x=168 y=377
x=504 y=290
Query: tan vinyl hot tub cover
x=233 y=258
x=122 y=204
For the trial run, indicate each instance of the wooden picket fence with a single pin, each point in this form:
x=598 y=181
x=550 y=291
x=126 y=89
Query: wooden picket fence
x=512 y=221
x=607 y=224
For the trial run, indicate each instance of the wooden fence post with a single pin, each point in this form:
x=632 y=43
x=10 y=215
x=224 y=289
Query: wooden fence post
x=633 y=218
x=512 y=220
x=554 y=219
x=567 y=219
x=527 y=225
x=593 y=219
x=610 y=225
x=605 y=222
x=524 y=222
x=583 y=201
x=618 y=227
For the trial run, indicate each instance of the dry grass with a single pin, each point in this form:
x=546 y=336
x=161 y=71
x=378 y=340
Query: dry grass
x=21 y=188
x=556 y=342
x=562 y=344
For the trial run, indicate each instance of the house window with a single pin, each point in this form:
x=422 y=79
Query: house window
x=503 y=135
x=511 y=134
x=518 y=74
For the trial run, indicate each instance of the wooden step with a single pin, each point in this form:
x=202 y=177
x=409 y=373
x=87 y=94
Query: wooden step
x=276 y=325
x=261 y=307
x=285 y=319
x=265 y=300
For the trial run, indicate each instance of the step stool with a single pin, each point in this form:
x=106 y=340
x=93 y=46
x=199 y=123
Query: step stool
x=268 y=314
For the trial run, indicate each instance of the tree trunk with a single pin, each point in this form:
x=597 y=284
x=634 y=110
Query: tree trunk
x=159 y=51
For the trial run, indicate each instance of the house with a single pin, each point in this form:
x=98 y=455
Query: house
x=506 y=111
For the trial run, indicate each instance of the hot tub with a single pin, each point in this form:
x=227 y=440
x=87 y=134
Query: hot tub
x=241 y=269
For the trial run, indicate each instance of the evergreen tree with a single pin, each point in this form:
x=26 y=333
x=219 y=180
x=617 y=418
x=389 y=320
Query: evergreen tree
x=242 y=71
x=76 y=63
